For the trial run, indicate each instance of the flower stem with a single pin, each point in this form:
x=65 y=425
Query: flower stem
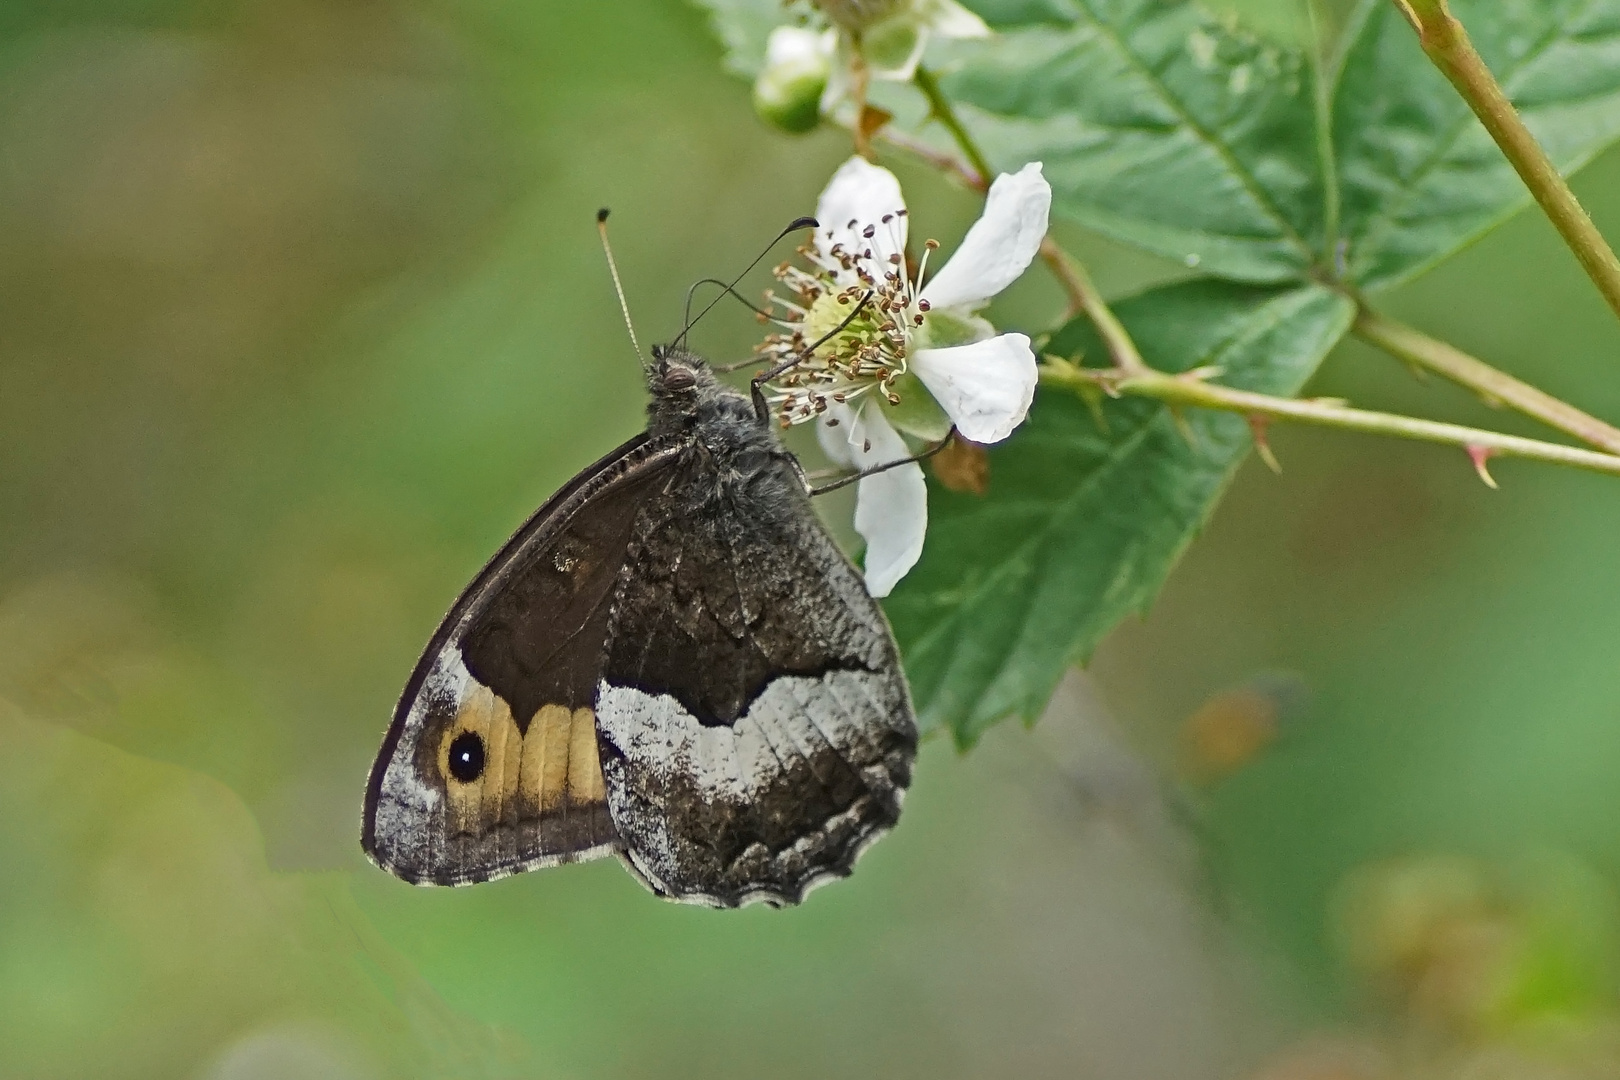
x=1415 y=347
x=1084 y=297
x=941 y=107
x=1187 y=390
x=1446 y=43
x=943 y=160
x=860 y=84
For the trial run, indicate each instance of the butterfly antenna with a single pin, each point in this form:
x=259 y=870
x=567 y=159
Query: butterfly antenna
x=618 y=286
x=688 y=322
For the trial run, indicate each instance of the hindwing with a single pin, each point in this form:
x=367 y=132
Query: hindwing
x=757 y=732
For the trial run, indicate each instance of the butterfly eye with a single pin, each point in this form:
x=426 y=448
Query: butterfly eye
x=679 y=379
x=467 y=757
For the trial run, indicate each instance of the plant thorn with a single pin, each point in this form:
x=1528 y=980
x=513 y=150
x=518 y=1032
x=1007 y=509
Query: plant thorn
x=1092 y=395
x=1182 y=426
x=1060 y=366
x=1262 y=446
x=1479 y=455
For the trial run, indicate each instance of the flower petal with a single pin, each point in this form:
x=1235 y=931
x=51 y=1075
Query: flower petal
x=838 y=80
x=834 y=430
x=949 y=19
x=985 y=388
x=796 y=45
x=891 y=507
x=1001 y=243
x=862 y=193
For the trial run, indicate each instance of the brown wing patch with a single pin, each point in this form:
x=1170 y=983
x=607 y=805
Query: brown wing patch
x=550 y=770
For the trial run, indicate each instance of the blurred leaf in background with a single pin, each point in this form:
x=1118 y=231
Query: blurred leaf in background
x=142 y=925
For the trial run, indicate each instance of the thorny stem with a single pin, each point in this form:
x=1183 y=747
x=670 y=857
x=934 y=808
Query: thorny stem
x=1406 y=343
x=945 y=113
x=1446 y=43
x=1132 y=375
x=1078 y=290
x=1190 y=390
x=860 y=83
x=1083 y=296
x=942 y=160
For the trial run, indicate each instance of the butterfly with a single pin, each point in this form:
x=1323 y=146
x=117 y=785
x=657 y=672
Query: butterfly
x=671 y=662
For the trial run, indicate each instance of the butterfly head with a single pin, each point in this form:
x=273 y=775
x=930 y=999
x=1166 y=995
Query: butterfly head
x=687 y=397
x=677 y=379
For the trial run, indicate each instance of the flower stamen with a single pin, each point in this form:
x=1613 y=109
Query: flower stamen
x=855 y=353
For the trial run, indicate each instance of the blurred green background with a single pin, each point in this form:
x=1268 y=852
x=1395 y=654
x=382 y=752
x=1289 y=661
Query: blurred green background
x=302 y=310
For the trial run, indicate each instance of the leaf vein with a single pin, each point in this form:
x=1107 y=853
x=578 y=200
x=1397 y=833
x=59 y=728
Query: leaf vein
x=1245 y=177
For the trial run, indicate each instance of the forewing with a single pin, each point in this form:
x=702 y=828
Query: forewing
x=491 y=765
x=756 y=730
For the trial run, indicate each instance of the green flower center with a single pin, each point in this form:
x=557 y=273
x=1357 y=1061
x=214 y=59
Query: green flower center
x=827 y=312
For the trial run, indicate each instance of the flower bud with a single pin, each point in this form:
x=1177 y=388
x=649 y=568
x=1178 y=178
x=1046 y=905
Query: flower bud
x=787 y=94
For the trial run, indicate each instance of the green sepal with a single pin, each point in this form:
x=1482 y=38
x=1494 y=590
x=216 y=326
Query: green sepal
x=918 y=414
x=944 y=329
x=889 y=45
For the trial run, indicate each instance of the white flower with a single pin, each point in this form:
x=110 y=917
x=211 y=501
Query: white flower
x=888 y=37
x=915 y=357
x=892 y=34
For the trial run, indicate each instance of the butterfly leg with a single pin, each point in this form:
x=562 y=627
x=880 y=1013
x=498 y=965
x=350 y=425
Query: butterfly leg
x=874 y=470
x=798 y=471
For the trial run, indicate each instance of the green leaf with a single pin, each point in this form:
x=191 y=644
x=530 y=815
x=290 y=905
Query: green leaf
x=742 y=27
x=1170 y=128
x=1418 y=176
x=1081 y=525
x=1158 y=124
